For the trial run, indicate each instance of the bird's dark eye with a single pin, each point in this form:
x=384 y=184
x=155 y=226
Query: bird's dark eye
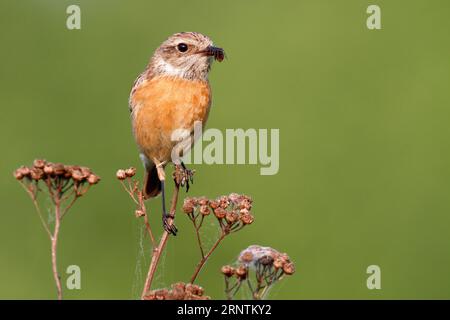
x=182 y=47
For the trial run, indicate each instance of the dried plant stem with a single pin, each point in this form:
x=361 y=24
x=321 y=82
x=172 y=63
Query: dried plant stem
x=138 y=198
x=38 y=210
x=205 y=258
x=147 y=224
x=54 y=248
x=199 y=239
x=75 y=197
x=162 y=243
x=129 y=191
x=263 y=293
x=149 y=230
x=230 y=292
x=52 y=236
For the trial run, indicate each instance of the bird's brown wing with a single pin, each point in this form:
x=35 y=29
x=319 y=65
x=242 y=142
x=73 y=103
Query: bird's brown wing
x=139 y=80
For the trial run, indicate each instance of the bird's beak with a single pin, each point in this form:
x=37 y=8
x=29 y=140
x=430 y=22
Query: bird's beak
x=215 y=52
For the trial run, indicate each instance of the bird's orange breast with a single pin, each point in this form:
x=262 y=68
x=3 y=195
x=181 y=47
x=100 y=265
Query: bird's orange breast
x=164 y=104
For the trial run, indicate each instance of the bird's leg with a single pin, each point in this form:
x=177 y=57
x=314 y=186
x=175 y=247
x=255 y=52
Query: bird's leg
x=170 y=228
x=184 y=176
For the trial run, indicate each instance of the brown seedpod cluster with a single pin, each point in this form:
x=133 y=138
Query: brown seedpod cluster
x=233 y=211
x=255 y=256
x=123 y=174
x=42 y=170
x=268 y=266
x=178 y=291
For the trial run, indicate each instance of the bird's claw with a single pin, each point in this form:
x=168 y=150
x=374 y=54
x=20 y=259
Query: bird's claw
x=183 y=176
x=169 y=227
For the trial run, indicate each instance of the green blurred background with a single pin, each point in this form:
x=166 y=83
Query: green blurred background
x=364 y=153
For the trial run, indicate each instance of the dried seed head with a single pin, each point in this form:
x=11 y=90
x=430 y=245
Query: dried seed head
x=284 y=257
x=247 y=218
x=77 y=175
x=85 y=171
x=234 y=197
x=260 y=255
x=266 y=260
x=52 y=173
x=200 y=291
x=22 y=172
x=268 y=257
x=220 y=213
x=48 y=169
x=224 y=202
x=67 y=174
x=68 y=169
x=246 y=257
x=194 y=289
x=25 y=171
x=121 y=175
x=161 y=294
x=231 y=217
x=227 y=270
x=93 y=179
x=204 y=210
x=289 y=268
x=58 y=168
x=244 y=211
x=188 y=205
x=179 y=285
x=278 y=263
x=18 y=175
x=130 y=172
x=189 y=287
x=214 y=204
x=178 y=291
x=39 y=163
x=241 y=272
x=203 y=201
x=246 y=203
x=37 y=174
x=150 y=296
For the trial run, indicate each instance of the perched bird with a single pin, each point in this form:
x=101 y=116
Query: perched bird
x=171 y=94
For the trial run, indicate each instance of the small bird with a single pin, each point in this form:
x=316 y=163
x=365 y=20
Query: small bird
x=171 y=94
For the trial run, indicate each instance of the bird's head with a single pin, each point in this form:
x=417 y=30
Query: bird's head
x=187 y=54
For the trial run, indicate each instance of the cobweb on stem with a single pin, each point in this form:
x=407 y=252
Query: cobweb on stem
x=267 y=265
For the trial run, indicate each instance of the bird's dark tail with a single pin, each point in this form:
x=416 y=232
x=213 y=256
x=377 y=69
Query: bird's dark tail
x=152 y=184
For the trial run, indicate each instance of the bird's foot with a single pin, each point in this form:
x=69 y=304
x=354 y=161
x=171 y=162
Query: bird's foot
x=168 y=224
x=183 y=176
